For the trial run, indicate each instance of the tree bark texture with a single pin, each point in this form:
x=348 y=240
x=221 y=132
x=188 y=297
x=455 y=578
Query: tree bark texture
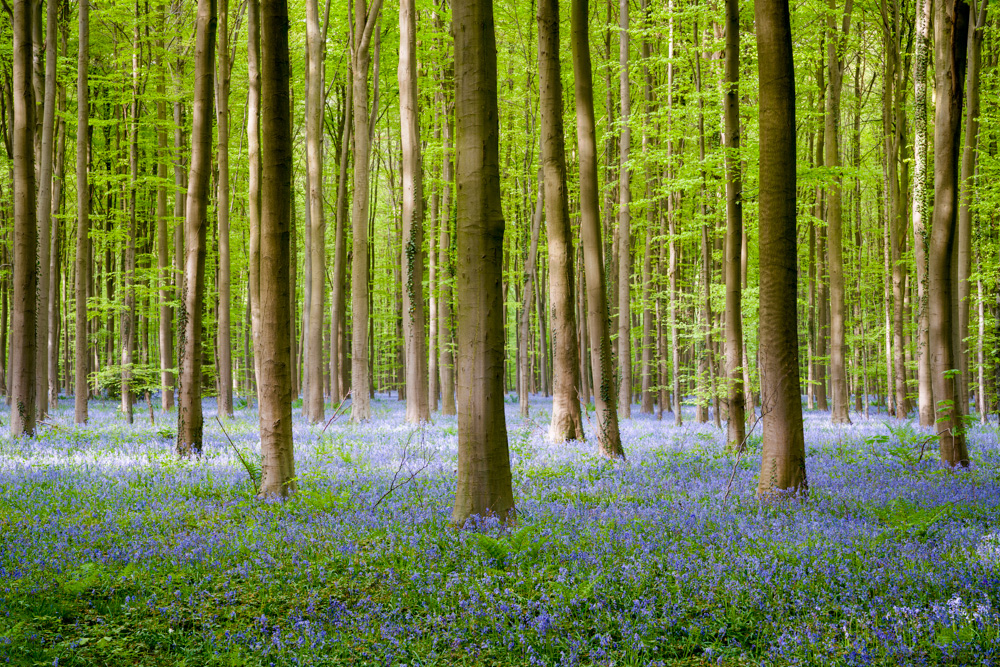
x=528 y=294
x=624 y=221
x=314 y=408
x=608 y=436
x=567 y=423
x=225 y=348
x=783 y=456
x=81 y=389
x=189 y=412
x=484 y=478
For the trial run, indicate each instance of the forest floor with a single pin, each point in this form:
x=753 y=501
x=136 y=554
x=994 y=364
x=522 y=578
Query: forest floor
x=114 y=552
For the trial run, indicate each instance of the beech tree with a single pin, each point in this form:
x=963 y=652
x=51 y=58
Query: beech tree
x=484 y=479
x=783 y=461
x=81 y=390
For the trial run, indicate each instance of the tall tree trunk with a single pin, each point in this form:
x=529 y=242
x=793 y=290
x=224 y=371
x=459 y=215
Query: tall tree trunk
x=608 y=437
x=275 y=381
x=253 y=181
x=55 y=261
x=338 y=344
x=447 y=362
x=23 y=342
x=44 y=210
x=566 y=419
x=736 y=426
x=314 y=409
x=836 y=43
x=225 y=361
x=950 y=47
x=417 y=406
x=81 y=391
x=528 y=293
x=964 y=268
x=189 y=414
x=365 y=19
x=925 y=395
x=624 y=221
x=484 y=479
x=648 y=302
x=128 y=314
x=783 y=464
x=166 y=330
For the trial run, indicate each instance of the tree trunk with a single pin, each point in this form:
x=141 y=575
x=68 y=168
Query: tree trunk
x=338 y=301
x=648 y=302
x=166 y=330
x=446 y=362
x=925 y=394
x=23 y=342
x=128 y=314
x=417 y=406
x=736 y=426
x=189 y=414
x=313 y=407
x=528 y=293
x=253 y=181
x=275 y=381
x=566 y=420
x=81 y=391
x=364 y=23
x=950 y=34
x=783 y=465
x=44 y=210
x=484 y=479
x=835 y=46
x=969 y=155
x=55 y=263
x=624 y=221
x=225 y=361
x=608 y=437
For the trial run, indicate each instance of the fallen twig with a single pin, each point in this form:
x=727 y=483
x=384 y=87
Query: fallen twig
x=339 y=411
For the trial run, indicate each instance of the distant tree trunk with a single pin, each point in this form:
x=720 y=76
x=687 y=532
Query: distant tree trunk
x=736 y=426
x=835 y=46
x=128 y=313
x=608 y=437
x=314 y=409
x=253 y=180
x=365 y=19
x=338 y=300
x=446 y=362
x=225 y=361
x=23 y=343
x=433 y=281
x=44 y=210
x=166 y=330
x=624 y=221
x=925 y=395
x=189 y=415
x=648 y=302
x=528 y=293
x=969 y=155
x=81 y=391
x=783 y=465
x=566 y=419
x=412 y=261
x=55 y=260
x=950 y=47
x=275 y=381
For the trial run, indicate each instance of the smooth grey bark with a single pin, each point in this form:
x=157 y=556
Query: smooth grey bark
x=313 y=404
x=189 y=412
x=608 y=436
x=783 y=457
x=567 y=423
x=128 y=338
x=446 y=364
x=225 y=330
x=22 y=340
x=736 y=424
x=365 y=19
x=412 y=260
x=484 y=478
x=253 y=180
x=624 y=220
x=338 y=309
x=82 y=279
x=275 y=381
x=528 y=294
x=950 y=48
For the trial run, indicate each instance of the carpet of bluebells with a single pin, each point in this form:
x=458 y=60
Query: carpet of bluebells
x=115 y=552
